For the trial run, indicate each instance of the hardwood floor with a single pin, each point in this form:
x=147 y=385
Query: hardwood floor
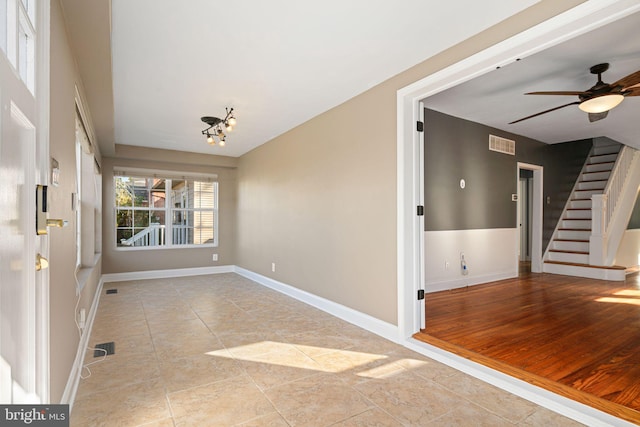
x=576 y=337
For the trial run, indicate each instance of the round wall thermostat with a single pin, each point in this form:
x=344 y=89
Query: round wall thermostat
x=462 y=183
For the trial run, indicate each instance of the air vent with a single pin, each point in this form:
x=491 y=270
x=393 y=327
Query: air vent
x=104 y=349
x=502 y=145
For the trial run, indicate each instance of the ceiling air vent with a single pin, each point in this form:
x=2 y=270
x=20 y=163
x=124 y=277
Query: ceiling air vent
x=502 y=145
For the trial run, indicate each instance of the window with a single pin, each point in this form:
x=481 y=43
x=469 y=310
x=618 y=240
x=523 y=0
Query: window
x=17 y=37
x=165 y=212
x=87 y=197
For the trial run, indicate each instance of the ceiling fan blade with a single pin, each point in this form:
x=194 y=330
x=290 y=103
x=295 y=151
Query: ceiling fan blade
x=566 y=92
x=634 y=91
x=545 y=111
x=594 y=117
x=628 y=81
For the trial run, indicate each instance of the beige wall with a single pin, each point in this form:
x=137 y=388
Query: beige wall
x=64 y=337
x=320 y=200
x=120 y=261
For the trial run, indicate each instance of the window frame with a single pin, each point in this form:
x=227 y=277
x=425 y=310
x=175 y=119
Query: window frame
x=19 y=38
x=169 y=208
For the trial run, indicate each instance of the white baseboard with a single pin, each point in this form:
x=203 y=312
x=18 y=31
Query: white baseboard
x=159 y=274
x=371 y=324
x=445 y=285
x=70 y=390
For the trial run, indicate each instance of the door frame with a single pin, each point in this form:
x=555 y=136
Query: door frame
x=537 y=198
x=410 y=265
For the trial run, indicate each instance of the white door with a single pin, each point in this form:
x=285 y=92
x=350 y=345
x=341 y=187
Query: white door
x=17 y=257
x=23 y=303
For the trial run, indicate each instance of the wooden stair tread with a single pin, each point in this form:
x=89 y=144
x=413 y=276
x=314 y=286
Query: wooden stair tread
x=571 y=240
x=575 y=229
x=579 y=209
x=575 y=264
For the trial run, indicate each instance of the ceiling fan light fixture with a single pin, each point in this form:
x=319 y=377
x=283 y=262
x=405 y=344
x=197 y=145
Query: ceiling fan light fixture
x=600 y=104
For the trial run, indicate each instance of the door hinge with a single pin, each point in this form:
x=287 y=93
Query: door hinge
x=420 y=126
x=420 y=294
x=420 y=210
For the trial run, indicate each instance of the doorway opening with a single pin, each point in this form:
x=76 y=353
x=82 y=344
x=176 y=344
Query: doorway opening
x=529 y=220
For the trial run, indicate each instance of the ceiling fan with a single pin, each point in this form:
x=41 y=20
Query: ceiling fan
x=599 y=99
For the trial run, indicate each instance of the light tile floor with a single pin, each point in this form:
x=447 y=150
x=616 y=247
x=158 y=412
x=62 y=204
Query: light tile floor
x=221 y=350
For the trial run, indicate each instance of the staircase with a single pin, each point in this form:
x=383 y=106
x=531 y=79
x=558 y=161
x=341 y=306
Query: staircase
x=580 y=245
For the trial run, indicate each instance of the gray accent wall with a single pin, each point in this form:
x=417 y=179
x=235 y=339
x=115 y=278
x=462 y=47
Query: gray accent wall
x=458 y=149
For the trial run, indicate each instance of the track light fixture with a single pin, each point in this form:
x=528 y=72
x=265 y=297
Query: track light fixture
x=214 y=131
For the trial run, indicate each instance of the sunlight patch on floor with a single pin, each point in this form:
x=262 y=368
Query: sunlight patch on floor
x=366 y=365
x=617 y=300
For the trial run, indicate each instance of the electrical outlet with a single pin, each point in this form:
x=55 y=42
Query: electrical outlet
x=273 y=267
x=214 y=257
x=82 y=318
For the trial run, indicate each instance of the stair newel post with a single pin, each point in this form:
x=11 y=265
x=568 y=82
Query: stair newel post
x=598 y=238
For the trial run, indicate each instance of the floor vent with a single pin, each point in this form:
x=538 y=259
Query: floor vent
x=502 y=145
x=112 y=291
x=109 y=347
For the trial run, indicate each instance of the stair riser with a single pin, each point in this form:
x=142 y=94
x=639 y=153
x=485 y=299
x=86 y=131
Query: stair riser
x=599 y=168
x=570 y=246
x=574 y=235
x=565 y=257
x=581 y=214
x=606 y=149
x=580 y=204
x=595 y=176
x=594 y=273
x=585 y=194
x=603 y=158
x=591 y=185
x=580 y=224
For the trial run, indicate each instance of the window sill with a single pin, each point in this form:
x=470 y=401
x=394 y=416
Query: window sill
x=83 y=273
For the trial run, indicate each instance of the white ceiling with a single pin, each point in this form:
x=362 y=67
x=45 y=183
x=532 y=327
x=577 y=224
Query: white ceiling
x=278 y=63
x=497 y=98
x=152 y=68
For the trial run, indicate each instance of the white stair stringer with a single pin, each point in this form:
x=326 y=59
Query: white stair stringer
x=570 y=249
x=623 y=208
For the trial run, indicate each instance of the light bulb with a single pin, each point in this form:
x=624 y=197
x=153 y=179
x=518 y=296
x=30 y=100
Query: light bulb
x=229 y=128
x=600 y=104
x=222 y=143
x=232 y=121
x=210 y=140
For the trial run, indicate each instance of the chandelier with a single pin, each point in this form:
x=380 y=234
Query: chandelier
x=216 y=125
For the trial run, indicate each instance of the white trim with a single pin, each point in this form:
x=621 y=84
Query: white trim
x=160 y=274
x=562 y=405
x=537 y=216
x=70 y=390
x=160 y=173
x=578 y=20
x=371 y=324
